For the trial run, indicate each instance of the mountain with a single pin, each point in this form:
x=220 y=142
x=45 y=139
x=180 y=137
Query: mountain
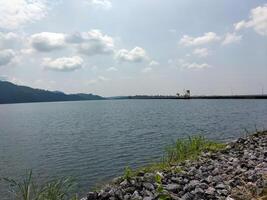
x=11 y=93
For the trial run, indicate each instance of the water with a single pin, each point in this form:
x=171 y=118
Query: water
x=94 y=140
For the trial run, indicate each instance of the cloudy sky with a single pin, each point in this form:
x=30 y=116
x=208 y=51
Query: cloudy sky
x=128 y=47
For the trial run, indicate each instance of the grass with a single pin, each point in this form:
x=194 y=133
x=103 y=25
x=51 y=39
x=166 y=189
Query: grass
x=182 y=149
x=27 y=189
x=190 y=148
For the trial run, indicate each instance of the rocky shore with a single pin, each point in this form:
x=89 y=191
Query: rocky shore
x=237 y=172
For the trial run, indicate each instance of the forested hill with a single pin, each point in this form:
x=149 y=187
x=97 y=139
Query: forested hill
x=11 y=93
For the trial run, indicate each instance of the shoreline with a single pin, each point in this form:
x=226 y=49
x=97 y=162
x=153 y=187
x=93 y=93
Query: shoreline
x=236 y=172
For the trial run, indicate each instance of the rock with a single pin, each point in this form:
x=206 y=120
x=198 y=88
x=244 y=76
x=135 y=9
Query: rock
x=177 y=179
x=174 y=197
x=172 y=187
x=187 y=196
x=149 y=186
x=127 y=197
x=149 y=177
x=133 y=182
x=194 y=183
x=124 y=183
x=91 y=195
x=220 y=186
x=210 y=191
x=129 y=189
x=209 y=179
x=119 y=194
x=223 y=192
x=197 y=190
x=112 y=192
x=136 y=196
x=185 y=180
x=215 y=172
x=148 y=198
x=103 y=195
x=203 y=186
x=148 y=193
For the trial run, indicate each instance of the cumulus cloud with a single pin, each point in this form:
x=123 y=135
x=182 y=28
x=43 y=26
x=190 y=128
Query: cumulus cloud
x=187 y=65
x=6 y=56
x=16 y=13
x=153 y=63
x=63 y=64
x=102 y=78
x=88 y=43
x=47 y=41
x=112 y=69
x=97 y=79
x=231 y=38
x=201 y=52
x=195 y=41
x=257 y=20
x=195 y=65
x=137 y=54
x=104 y=4
x=9 y=40
x=92 y=42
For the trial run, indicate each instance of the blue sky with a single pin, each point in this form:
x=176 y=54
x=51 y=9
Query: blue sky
x=112 y=47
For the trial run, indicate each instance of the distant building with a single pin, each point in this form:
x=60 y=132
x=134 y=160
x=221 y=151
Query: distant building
x=187 y=93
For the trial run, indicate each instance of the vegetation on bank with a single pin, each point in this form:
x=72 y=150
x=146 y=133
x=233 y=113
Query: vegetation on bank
x=62 y=189
x=182 y=149
x=28 y=189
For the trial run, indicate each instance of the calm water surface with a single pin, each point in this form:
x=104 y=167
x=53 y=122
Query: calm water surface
x=94 y=140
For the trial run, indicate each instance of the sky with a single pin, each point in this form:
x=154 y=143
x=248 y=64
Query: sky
x=129 y=47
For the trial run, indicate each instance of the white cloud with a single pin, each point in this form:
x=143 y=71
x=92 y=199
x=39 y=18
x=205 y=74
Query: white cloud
x=257 y=20
x=231 y=38
x=112 y=69
x=240 y=25
x=197 y=66
x=47 y=41
x=27 y=51
x=153 y=63
x=9 y=40
x=137 y=54
x=63 y=63
x=93 y=42
x=104 y=4
x=16 y=13
x=96 y=80
x=102 y=78
x=195 y=41
x=201 y=52
x=88 y=43
x=6 y=56
x=147 y=69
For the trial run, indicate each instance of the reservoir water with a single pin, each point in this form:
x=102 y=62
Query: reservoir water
x=93 y=141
